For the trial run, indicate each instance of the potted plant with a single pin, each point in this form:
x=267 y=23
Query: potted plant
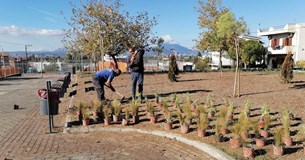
x=264 y=115
x=259 y=140
x=286 y=125
x=218 y=125
x=150 y=109
x=265 y=132
x=80 y=105
x=96 y=107
x=134 y=110
x=245 y=125
x=86 y=116
x=182 y=118
x=248 y=150
x=107 y=113
x=202 y=124
x=116 y=110
x=187 y=110
x=230 y=112
x=125 y=120
x=235 y=140
x=222 y=118
x=278 y=149
x=168 y=125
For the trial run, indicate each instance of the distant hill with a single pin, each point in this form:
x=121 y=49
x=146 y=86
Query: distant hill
x=60 y=52
x=174 y=48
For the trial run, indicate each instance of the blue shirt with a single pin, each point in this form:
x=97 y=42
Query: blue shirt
x=105 y=75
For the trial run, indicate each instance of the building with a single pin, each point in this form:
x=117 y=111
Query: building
x=284 y=39
x=226 y=61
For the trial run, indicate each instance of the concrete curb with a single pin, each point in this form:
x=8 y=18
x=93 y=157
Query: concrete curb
x=208 y=149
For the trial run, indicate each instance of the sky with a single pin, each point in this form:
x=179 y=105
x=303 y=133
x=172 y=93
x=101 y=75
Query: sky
x=39 y=23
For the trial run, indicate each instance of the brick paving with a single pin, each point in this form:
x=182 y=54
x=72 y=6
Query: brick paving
x=24 y=133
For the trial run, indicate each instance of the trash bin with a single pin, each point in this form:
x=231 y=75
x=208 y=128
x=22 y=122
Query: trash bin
x=53 y=101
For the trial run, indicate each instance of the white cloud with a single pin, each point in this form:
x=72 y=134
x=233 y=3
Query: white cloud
x=16 y=31
x=168 y=39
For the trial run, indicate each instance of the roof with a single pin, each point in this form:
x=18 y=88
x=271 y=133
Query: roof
x=288 y=28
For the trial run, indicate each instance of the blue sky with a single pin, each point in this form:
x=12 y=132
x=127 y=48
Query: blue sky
x=39 y=22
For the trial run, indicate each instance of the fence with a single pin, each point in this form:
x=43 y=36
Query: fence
x=150 y=64
x=9 y=71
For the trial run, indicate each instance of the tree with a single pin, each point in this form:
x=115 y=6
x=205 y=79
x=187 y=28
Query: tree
x=287 y=68
x=102 y=27
x=210 y=12
x=159 y=49
x=229 y=29
x=251 y=51
x=172 y=69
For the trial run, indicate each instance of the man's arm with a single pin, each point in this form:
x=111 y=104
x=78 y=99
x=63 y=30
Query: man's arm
x=109 y=85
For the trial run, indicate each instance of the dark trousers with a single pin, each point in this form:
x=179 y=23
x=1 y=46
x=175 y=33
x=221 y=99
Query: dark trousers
x=99 y=87
x=137 y=80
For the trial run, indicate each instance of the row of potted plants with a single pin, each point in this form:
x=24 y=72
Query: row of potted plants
x=205 y=116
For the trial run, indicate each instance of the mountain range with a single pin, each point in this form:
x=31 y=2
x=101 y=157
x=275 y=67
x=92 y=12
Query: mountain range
x=60 y=52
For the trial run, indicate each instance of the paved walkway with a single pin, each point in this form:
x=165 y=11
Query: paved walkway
x=24 y=133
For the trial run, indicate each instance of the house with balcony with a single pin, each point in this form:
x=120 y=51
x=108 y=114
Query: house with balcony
x=284 y=39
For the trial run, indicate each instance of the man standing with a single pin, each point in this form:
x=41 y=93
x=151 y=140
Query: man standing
x=104 y=77
x=136 y=66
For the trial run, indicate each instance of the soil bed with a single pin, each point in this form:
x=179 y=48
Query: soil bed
x=257 y=87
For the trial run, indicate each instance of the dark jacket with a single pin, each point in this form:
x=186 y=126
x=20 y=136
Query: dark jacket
x=138 y=62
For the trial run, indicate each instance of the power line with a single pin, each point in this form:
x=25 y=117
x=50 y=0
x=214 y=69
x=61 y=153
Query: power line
x=12 y=43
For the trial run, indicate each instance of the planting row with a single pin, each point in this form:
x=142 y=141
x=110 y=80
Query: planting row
x=241 y=127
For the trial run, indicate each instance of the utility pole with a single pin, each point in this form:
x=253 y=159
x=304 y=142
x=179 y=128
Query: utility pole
x=26 y=50
x=26 y=56
x=41 y=65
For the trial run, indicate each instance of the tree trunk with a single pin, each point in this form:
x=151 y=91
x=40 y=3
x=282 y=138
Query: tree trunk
x=220 y=63
x=236 y=71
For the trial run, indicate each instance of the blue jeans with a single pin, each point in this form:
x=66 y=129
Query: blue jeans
x=137 y=79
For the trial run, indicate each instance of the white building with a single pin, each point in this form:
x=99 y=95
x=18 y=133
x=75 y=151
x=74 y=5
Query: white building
x=225 y=59
x=284 y=39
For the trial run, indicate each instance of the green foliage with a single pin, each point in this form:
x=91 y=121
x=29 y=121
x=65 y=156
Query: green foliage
x=127 y=112
x=203 y=121
x=103 y=27
x=85 y=112
x=265 y=111
x=173 y=70
x=107 y=111
x=252 y=51
x=202 y=64
x=150 y=108
x=97 y=106
x=287 y=69
x=278 y=136
x=286 y=122
x=134 y=107
x=159 y=49
x=116 y=106
x=182 y=118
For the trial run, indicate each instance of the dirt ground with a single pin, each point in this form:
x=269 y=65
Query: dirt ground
x=257 y=87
